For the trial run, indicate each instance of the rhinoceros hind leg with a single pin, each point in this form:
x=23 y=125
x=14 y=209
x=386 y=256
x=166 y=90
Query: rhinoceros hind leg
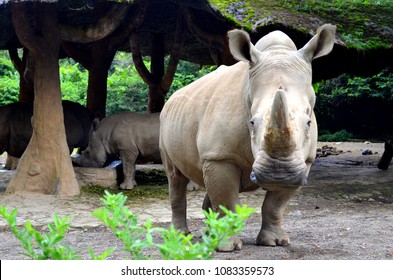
x=128 y=159
x=272 y=233
x=178 y=198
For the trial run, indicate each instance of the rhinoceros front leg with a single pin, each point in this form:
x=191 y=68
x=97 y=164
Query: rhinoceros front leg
x=273 y=207
x=128 y=159
x=222 y=182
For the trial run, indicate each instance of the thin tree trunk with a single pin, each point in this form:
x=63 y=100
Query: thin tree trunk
x=101 y=59
x=25 y=68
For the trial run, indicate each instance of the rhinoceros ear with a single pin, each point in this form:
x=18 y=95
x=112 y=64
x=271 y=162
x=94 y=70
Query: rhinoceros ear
x=321 y=44
x=241 y=47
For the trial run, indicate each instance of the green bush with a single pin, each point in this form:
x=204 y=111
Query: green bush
x=9 y=81
x=361 y=105
x=136 y=238
x=338 y=136
x=74 y=79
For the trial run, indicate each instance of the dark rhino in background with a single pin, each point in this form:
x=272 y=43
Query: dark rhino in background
x=16 y=128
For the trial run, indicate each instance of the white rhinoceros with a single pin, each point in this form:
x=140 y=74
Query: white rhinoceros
x=244 y=126
x=128 y=135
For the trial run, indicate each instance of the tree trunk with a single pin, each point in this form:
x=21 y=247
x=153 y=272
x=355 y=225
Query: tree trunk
x=156 y=98
x=46 y=166
x=157 y=69
x=101 y=60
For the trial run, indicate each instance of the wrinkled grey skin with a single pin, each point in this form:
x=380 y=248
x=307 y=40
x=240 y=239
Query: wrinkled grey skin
x=244 y=126
x=16 y=128
x=130 y=136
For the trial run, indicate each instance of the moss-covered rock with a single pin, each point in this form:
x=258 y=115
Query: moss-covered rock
x=361 y=24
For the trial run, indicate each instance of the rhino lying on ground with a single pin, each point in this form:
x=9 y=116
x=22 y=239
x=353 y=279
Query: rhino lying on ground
x=244 y=126
x=127 y=135
x=16 y=128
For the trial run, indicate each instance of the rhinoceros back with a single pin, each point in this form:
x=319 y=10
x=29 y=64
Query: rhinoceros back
x=16 y=128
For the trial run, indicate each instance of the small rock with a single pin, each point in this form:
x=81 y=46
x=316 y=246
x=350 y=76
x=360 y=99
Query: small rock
x=371 y=199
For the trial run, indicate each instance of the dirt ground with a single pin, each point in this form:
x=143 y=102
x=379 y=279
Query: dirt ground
x=345 y=212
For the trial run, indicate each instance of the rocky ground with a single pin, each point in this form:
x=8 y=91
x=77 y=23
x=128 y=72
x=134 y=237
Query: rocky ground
x=345 y=212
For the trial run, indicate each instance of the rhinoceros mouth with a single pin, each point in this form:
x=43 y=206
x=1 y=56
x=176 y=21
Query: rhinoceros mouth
x=288 y=171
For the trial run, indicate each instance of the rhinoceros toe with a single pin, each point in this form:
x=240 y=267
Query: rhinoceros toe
x=125 y=186
x=233 y=244
x=271 y=238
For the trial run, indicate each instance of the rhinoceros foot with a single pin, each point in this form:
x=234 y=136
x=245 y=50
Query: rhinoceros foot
x=126 y=186
x=234 y=243
x=268 y=237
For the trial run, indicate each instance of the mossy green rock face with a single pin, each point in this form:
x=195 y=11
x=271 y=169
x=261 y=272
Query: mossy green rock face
x=360 y=24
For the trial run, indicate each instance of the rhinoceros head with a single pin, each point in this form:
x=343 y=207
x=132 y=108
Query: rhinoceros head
x=94 y=155
x=279 y=101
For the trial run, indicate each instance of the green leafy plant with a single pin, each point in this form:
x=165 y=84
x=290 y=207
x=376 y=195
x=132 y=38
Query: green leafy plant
x=136 y=238
x=177 y=245
x=124 y=225
x=41 y=246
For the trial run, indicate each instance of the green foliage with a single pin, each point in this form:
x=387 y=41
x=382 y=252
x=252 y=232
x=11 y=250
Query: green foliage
x=9 y=81
x=124 y=225
x=354 y=18
x=351 y=18
x=126 y=89
x=338 y=136
x=136 y=238
x=74 y=80
x=238 y=13
x=128 y=92
x=356 y=40
x=218 y=231
x=48 y=244
x=177 y=245
x=361 y=105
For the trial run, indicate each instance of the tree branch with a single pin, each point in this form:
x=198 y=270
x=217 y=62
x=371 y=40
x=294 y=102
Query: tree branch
x=104 y=26
x=140 y=66
x=16 y=61
x=174 y=55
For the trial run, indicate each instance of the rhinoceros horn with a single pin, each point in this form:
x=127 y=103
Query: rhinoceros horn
x=279 y=115
x=279 y=140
